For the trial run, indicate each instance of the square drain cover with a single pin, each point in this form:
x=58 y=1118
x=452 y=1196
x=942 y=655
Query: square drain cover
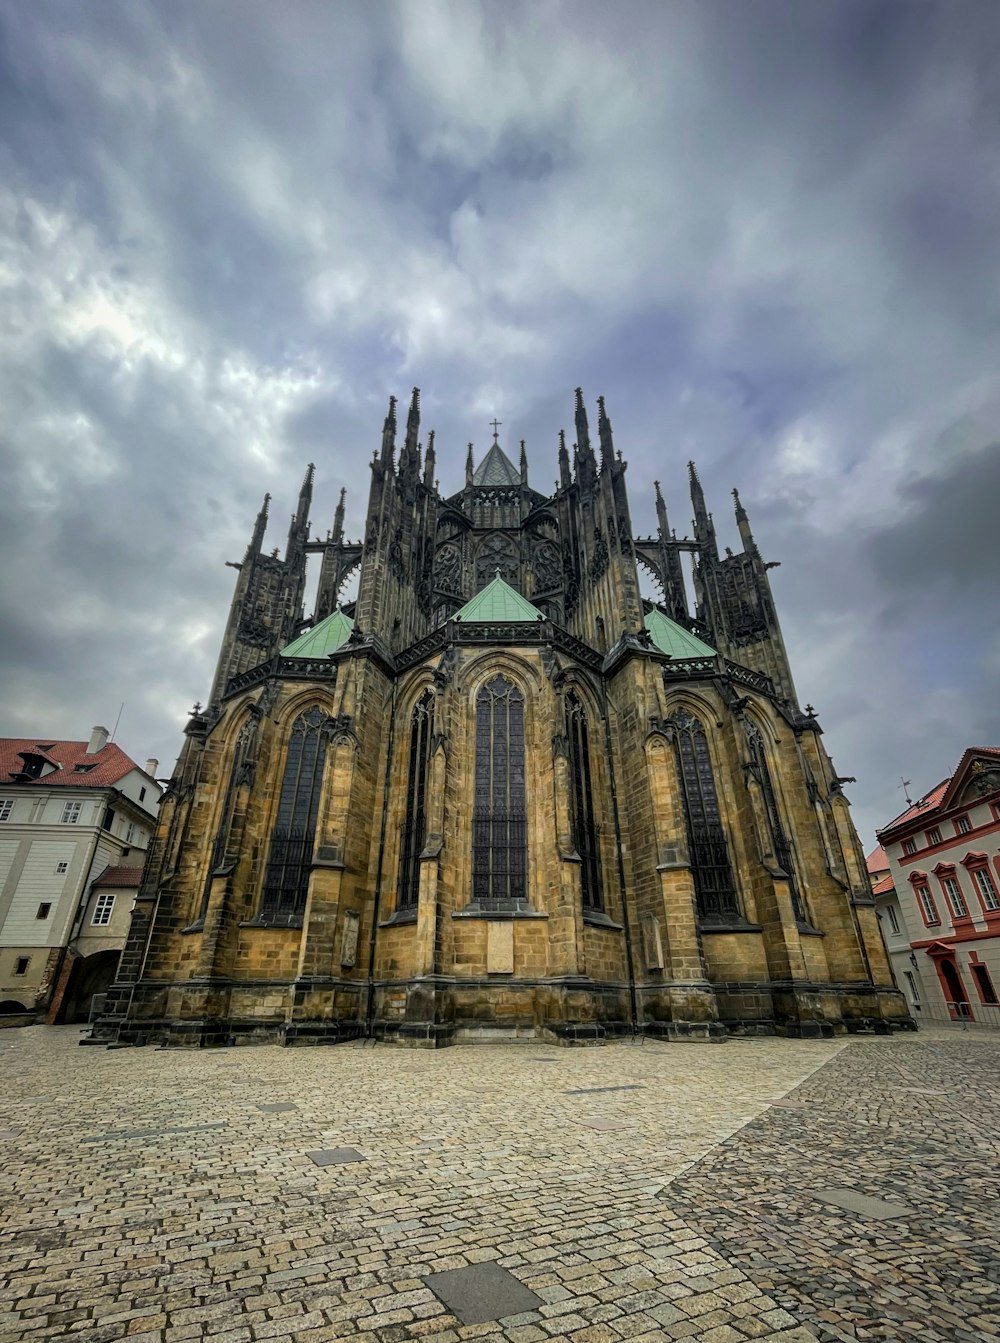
x=336 y=1156
x=481 y=1292
x=865 y=1204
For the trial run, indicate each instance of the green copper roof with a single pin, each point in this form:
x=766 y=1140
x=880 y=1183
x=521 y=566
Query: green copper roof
x=669 y=637
x=326 y=637
x=498 y=601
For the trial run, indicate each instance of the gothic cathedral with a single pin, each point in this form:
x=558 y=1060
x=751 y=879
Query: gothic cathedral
x=501 y=792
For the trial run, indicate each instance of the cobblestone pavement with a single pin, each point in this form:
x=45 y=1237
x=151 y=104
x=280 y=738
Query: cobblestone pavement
x=149 y=1195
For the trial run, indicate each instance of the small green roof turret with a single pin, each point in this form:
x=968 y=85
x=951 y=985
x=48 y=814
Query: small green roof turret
x=498 y=601
x=323 y=639
x=674 y=639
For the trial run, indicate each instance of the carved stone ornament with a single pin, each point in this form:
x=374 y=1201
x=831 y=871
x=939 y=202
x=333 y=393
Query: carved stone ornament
x=547 y=567
x=448 y=568
x=599 y=564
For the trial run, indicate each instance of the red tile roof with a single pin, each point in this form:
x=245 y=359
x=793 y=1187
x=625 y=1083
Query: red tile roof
x=119 y=876
x=924 y=807
x=110 y=763
x=883 y=887
x=877 y=861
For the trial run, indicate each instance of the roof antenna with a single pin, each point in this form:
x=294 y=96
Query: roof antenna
x=117 y=721
x=905 y=785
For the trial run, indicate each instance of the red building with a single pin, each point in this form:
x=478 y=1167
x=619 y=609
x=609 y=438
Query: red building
x=944 y=861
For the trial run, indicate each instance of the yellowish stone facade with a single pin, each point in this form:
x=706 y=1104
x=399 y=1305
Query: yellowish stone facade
x=337 y=856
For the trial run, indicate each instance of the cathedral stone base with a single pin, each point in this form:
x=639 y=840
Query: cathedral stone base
x=434 y=1013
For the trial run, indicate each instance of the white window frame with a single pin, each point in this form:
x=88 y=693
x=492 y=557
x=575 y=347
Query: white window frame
x=61 y=868
x=130 y=832
x=911 y=981
x=963 y=825
x=6 y=807
x=104 y=909
x=956 y=900
x=893 y=918
x=927 y=904
x=933 y=836
x=909 y=847
x=71 y=813
x=987 y=889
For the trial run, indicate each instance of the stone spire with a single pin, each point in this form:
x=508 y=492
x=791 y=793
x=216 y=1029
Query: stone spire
x=564 y=472
x=604 y=433
x=389 y=436
x=338 y=518
x=704 y=528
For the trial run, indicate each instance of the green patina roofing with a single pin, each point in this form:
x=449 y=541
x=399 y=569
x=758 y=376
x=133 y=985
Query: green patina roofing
x=669 y=637
x=496 y=468
x=326 y=637
x=498 y=602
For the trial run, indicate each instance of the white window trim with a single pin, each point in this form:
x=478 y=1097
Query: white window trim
x=71 y=813
x=984 y=880
x=931 y=916
x=892 y=917
x=956 y=900
x=6 y=807
x=105 y=905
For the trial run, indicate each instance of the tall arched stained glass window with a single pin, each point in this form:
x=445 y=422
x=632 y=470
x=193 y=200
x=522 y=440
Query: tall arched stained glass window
x=289 y=859
x=415 y=824
x=585 y=828
x=782 y=848
x=715 y=889
x=499 y=841
x=240 y=772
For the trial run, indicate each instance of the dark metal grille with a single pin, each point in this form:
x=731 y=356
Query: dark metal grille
x=782 y=848
x=715 y=889
x=286 y=880
x=499 y=831
x=415 y=825
x=586 y=831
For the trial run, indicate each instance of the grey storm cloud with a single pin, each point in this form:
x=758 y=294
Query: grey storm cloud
x=765 y=232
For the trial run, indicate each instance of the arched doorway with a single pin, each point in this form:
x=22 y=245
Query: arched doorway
x=954 y=989
x=91 y=975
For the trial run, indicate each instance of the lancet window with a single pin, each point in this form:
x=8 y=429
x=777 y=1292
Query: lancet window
x=782 y=848
x=499 y=831
x=586 y=831
x=715 y=889
x=240 y=772
x=286 y=879
x=415 y=823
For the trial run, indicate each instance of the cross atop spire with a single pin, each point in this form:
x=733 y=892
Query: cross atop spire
x=496 y=429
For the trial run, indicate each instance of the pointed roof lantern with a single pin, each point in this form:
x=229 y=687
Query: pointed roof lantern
x=498 y=601
x=496 y=468
x=674 y=639
x=323 y=639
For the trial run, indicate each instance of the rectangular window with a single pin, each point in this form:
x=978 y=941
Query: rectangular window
x=987 y=890
x=130 y=832
x=6 y=807
x=984 y=984
x=927 y=905
x=142 y=794
x=893 y=919
x=963 y=825
x=955 y=898
x=43 y=910
x=934 y=836
x=61 y=868
x=21 y=965
x=911 y=984
x=109 y=819
x=909 y=846
x=104 y=907
x=71 y=813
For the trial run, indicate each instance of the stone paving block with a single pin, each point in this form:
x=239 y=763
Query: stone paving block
x=276 y=1107
x=481 y=1292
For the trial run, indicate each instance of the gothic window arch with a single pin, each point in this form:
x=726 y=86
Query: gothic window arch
x=415 y=821
x=586 y=831
x=499 y=829
x=779 y=840
x=289 y=859
x=715 y=889
x=241 y=771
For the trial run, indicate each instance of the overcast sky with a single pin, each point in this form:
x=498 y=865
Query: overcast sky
x=767 y=232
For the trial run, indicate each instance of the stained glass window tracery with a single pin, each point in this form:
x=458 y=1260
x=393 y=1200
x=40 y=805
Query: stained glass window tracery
x=499 y=830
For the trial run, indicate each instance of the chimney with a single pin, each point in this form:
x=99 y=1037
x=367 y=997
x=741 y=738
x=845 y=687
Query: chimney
x=152 y=765
x=98 y=740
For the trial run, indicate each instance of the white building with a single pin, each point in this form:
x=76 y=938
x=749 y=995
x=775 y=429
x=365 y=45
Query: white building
x=939 y=906
x=70 y=812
